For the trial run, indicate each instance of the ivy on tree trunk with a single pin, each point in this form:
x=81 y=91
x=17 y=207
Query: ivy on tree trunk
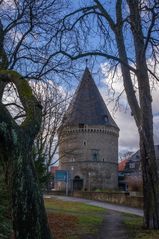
x=16 y=141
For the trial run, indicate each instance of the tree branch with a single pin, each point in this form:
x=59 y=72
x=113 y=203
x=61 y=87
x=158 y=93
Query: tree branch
x=33 y=109
x=153 y=74
x=105 y=14
x=98 y=53
x=13 y=103
x=154 y=15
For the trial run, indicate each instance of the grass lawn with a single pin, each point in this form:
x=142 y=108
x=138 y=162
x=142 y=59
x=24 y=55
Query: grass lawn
x=135 y=230
x=72 y=220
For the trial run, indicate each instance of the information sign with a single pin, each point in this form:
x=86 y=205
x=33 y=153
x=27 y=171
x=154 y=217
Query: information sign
x=61 y=175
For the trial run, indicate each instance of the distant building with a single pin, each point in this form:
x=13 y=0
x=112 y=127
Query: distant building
x=133 y=166
x=130 y=171
x=122 y=164
x=88 y=145
x=122 y=184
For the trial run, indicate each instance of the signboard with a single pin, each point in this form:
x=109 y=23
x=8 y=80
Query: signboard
x=61 y=175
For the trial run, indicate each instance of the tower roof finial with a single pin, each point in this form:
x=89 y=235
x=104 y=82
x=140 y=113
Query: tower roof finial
x=86 y=62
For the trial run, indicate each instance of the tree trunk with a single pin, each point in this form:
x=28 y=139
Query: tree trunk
x=16 y=141
x=143 y=113
x=145 y=128
x=29 y=216
x=150 y=187
x=147 y=150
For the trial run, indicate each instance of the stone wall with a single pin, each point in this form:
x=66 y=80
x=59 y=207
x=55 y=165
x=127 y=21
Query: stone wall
x=116 y=198
x=76 y=149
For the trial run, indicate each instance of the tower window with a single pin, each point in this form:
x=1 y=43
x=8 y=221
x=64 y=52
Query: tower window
x=95 y=154
x=81 y=126
x=105 y=118
x=84 y=142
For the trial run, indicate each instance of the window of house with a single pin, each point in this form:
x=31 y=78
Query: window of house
x=95 y=154
x=131 y=165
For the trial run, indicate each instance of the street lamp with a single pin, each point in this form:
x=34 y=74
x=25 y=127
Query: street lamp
x=89 y=181
x=72 y=169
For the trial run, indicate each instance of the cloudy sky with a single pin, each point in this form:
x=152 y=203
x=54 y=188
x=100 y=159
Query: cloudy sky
x=128 y=139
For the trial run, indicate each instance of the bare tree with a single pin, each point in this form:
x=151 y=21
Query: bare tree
x=53 y=100
x=28 y=50
x=28 y=43
x=125 y=33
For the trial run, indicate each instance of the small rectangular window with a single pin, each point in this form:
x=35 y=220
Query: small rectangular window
x=132 y=165
x=95 y=154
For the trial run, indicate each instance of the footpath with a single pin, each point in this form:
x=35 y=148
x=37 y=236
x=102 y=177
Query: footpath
x=114 y=207
x=112 y=226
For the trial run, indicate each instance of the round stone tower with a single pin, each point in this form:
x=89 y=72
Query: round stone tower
x=88 y=140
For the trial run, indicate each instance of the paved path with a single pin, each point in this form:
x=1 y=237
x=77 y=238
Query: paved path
x=114 y=207
x=113 y=227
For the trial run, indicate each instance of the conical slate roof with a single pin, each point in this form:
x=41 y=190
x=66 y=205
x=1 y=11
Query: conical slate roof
x=87 y=106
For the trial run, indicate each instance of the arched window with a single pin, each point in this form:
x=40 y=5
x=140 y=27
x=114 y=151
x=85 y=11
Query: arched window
x=84 y=142
x=77 y=177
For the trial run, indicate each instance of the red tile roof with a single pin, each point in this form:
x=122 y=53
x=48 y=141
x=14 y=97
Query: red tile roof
x=122 y=164
x=53 y=169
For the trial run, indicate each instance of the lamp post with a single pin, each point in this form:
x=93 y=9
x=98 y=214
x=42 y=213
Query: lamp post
x=72 y=169
x=89 y=181
x=67 y=181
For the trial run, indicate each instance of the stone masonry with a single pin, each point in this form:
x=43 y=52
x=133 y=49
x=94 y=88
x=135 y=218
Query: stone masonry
x=88 y=139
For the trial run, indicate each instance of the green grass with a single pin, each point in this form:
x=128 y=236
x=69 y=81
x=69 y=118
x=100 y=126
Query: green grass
x=89 y=218
x=90 y=223
x=134 y=225
x=56 y=204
